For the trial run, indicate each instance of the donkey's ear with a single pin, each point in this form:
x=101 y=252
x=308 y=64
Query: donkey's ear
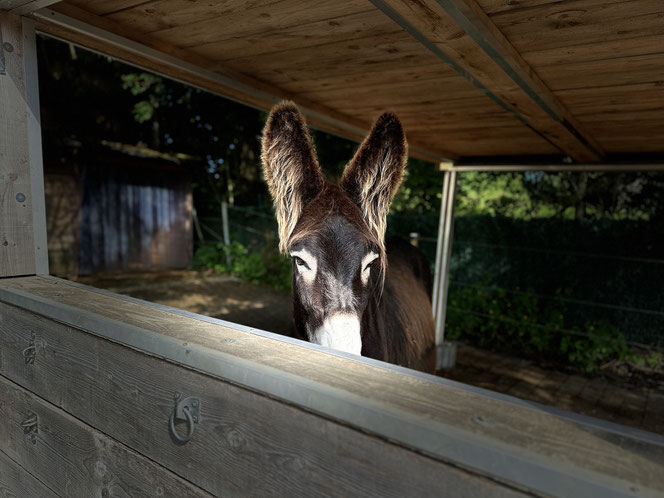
x=373 y=176
x=291 y=170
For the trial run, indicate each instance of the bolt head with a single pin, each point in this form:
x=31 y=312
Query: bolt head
x=8 y=47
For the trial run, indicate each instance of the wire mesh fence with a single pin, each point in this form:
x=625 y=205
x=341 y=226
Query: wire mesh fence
x=556 y=270
x=518 y=267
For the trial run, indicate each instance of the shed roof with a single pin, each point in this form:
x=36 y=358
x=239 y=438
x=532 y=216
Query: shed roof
x=583 y=78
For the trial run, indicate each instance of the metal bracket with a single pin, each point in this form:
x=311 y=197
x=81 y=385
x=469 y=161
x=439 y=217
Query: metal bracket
x=31 y=426
x=186 y=410
x=30 y=352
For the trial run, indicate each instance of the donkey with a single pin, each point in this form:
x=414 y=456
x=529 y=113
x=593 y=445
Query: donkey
x=350 y=291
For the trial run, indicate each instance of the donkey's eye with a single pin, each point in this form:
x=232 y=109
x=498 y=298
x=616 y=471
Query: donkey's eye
x=300 y=263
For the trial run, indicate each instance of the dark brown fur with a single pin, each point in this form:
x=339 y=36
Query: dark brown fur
x=340 y=224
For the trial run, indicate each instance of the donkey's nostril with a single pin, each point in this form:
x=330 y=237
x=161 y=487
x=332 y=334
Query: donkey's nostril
x=340 y=331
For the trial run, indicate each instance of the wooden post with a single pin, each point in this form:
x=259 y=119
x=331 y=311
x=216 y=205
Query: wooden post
x=23 y=248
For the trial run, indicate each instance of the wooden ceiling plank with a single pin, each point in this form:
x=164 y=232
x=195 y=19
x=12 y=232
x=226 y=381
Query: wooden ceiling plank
x=495 y=6
x=369 y=55
x=101 y=7
x=628 y=99
x=461 y=35
x=285 y=14
x=95 y=32
x=359 y=80
x=607 y=72
x=311 y=35
x=156 y=15
x=596 y=51
x=580 y=22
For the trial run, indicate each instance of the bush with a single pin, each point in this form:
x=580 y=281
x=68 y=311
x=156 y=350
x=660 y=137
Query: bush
x=525 y=325
x=266 y=268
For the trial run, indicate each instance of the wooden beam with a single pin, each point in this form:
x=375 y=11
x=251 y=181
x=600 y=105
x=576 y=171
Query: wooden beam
x=23 y=7
x=462 y=36
x=23 y=249
x=105 y=36
x=344 y=408
x=245 y=443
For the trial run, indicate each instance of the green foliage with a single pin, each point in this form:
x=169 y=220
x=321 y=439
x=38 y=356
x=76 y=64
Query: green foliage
x=654 y=359
x=524 y=325
x=266 y=268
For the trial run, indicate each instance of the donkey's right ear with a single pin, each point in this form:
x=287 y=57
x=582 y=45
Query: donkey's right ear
x=289 y=163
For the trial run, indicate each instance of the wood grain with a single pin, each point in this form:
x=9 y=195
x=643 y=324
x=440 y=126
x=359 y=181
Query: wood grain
x=16 y=482
x=245 y=443
x=532 y=432
x=580 y=22
x=17 y=250
x=245 y=22
x=268 y=94
x=72 y=459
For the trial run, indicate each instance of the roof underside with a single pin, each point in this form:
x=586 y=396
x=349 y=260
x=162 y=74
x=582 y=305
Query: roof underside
x=583 y=78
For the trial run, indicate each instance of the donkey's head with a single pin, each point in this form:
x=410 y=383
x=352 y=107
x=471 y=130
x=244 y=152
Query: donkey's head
x=334 y=233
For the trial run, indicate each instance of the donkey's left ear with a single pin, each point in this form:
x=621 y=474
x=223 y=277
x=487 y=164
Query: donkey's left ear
x=373 y=176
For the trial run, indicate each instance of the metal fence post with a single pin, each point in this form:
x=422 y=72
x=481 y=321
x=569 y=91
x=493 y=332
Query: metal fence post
x=443 y=255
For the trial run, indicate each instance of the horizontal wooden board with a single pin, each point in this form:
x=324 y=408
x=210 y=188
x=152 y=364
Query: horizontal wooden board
x=609 y=72
x=372 y=54
x=102 y=7
x=311 y=35
x=15 y=481
x=495 y=6
x=245 y=443
x=598 y=51
x=568 y=445
x=155 y=15
x=279 y=15
x=579 y=22
x=72 y=459
x=626 y=100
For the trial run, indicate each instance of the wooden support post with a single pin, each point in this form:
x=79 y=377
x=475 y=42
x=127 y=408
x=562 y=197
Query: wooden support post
x=23 y=248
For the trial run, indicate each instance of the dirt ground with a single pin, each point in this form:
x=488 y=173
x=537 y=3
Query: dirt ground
x=628 y=400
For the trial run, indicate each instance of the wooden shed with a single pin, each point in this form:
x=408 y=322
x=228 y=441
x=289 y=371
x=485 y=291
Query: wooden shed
x=117 y=207
x=93 y=386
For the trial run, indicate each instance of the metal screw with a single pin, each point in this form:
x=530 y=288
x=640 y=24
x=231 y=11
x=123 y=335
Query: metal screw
x=8 y=47
x=177 y=396
x=20 y=197
x=194 y=403
x=195 y=419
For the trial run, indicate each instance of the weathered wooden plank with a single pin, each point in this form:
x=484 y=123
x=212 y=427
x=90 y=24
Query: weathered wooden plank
x=315 y=34
x=579 y=22
x=92 y=31
x=72 y=459
x=16 y=482
x=22 y=215
x=325 y=383
x=157 y=15
x=483 y=54
x=610 y=72
x=627 y=100
x=603 y=50
x=372 y=54
x=245 y=443
x=495 y=6
x=102 y=7
x=278 y=15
